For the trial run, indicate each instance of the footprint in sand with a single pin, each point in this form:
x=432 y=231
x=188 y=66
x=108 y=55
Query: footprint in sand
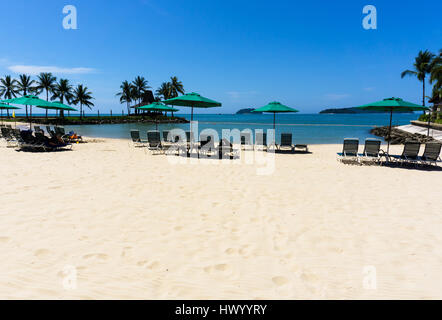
x=217 y=269
x=230 y=251
x=145 y=263
x=280 y=281
x=100 y=256
x=41 y=252
x=4 y=239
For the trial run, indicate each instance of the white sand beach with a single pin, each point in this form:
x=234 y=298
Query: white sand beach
x=108 y=221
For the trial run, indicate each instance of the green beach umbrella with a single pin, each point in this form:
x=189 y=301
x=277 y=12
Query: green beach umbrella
x=275 y=107
x=392 y=105
x=30 y=100
x=157 y=106
x=4 y=106
x=193 y=100
x=57 y=105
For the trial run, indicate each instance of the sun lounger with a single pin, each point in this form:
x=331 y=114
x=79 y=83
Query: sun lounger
x=226 y=150
x=261 y=141
x=166 y=136
x=7 y=135
x=246 y=140
x=136 y=140
x=37 y=129
x=410 y=153
x=154 y=142
x=29 y=142
x=50 y=144
x=431 y=154
x=286 y=142
x=206 y=145
x=372 y=151
x=49 y=130
x=349 y=150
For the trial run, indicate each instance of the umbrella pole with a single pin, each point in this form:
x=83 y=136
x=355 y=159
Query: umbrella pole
x=429 y=120
x=30 y=117
x=389 y=131
x=274 y=117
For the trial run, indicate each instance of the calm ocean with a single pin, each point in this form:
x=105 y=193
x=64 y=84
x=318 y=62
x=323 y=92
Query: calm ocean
x=306 y=128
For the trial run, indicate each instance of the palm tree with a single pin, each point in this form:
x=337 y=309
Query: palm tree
x=140 y=86
x=8 y=88
x=176 y=87
x=82 y=96
x=164 y=91
x=436 y=78
x=126 y=94
x=24 y=86
x=62 y=91
x=46 y=81
x=422 y=67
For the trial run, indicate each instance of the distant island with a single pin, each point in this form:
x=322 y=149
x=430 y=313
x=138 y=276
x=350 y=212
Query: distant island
x=247 y=110
x=355 y=110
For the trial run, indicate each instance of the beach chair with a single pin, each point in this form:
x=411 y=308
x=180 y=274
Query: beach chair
x=286 y=142
x=29 y=142
x=225 y=149
x=50 y=144
x=246 y=141
x=154 y=142
x=410 y=153
x=261 y=141
x=349 y=150
x=37 y=129
x=7 y=135
x=431 y=154
x=206 y=145
x=372 y=152
x=136 y=140
x=166 y=136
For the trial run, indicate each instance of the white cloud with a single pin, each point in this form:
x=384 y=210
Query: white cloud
x=336 y=96
x=35 y=70
x=369 y=89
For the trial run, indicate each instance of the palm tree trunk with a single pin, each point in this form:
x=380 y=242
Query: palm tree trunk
x=423 y=92
x=81 y=111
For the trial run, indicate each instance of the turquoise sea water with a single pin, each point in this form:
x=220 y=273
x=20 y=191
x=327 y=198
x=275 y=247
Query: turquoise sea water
x=306 y=128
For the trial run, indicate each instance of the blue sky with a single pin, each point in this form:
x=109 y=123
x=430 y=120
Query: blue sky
x=307 y=54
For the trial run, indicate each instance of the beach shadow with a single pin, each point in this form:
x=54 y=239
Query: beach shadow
x=43 y=151
x=411 y=166
x=293 y=152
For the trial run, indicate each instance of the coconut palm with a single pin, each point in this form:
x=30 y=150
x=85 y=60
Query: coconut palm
x=24 y=86
x=82 y=96
x=126 y=94
x=63 y=92
x=422 y=67
x=8 y=88
x=436 y=78
x=436 y=71
x=45 y=81
x=164 y=91
x=139 y=87
x=176 y=87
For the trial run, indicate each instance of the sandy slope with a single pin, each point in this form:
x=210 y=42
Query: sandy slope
x=133 y=225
